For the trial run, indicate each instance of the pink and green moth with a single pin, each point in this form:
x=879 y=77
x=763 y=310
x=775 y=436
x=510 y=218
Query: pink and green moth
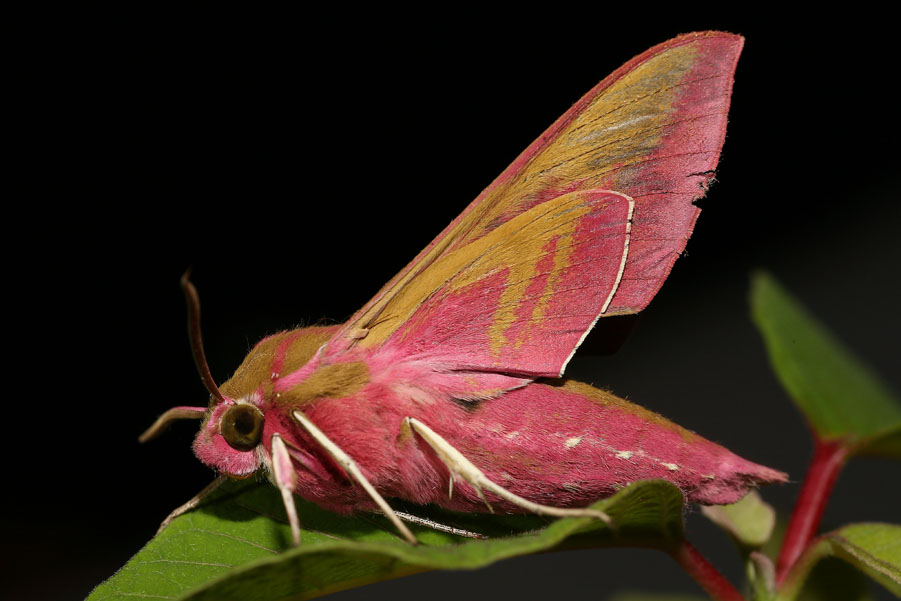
x=447 y=387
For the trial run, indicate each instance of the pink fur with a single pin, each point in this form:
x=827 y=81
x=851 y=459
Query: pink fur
x=290 y=380
x=547 y=443
x=211 y=448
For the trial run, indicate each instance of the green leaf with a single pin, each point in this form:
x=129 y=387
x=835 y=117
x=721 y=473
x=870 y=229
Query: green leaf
x=239 y=538
x=761 y=575
x=875 y=549
x=840 y=397
x=749 y=522
x=872 y=548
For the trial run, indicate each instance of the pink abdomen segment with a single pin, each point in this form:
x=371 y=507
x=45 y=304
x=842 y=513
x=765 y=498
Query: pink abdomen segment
x=570 y=444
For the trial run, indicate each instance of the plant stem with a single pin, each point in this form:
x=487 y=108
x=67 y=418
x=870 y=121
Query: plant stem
x=714 y=583
x=828 y=460
x=796 y=576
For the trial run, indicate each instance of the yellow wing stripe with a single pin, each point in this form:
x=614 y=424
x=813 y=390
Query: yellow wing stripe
x=546 y=231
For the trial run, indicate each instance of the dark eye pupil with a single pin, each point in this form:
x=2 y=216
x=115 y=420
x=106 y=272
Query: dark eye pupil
x=242 y=427
x=244 y=423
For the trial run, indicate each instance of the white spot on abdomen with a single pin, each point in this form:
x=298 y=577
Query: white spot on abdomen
x=572 y=442
x=624 y=455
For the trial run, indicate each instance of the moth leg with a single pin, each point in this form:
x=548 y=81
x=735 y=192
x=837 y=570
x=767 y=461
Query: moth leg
x=350 y=466
x=406 y=435
x=464 y=468
x=286 y=480
x=193 y=502
x=415 y=519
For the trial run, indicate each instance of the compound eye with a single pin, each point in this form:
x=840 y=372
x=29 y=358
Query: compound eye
x=242 y=427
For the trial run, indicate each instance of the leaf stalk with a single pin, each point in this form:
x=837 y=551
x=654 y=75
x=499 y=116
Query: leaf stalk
x=828 y=459
x=703 y=572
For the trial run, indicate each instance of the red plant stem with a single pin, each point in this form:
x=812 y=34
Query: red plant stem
x=828 y=460
x=714 y=583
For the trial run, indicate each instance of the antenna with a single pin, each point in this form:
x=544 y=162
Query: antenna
x=195 y=335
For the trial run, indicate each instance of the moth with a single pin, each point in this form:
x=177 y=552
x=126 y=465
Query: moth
x=447 y=386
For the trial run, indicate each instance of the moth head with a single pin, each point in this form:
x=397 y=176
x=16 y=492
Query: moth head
x=232 y=429
x=229 y=437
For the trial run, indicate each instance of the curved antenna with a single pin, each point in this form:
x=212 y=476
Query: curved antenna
x=196 y=340
x=170 y=416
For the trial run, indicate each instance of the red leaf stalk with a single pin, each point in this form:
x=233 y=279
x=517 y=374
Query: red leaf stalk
x=828 y=460
x=713 y=583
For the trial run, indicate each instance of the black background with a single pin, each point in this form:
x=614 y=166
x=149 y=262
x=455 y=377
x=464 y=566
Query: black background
x=296 y=162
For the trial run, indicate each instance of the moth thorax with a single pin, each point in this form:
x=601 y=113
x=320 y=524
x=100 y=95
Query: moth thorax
x=242 y=427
